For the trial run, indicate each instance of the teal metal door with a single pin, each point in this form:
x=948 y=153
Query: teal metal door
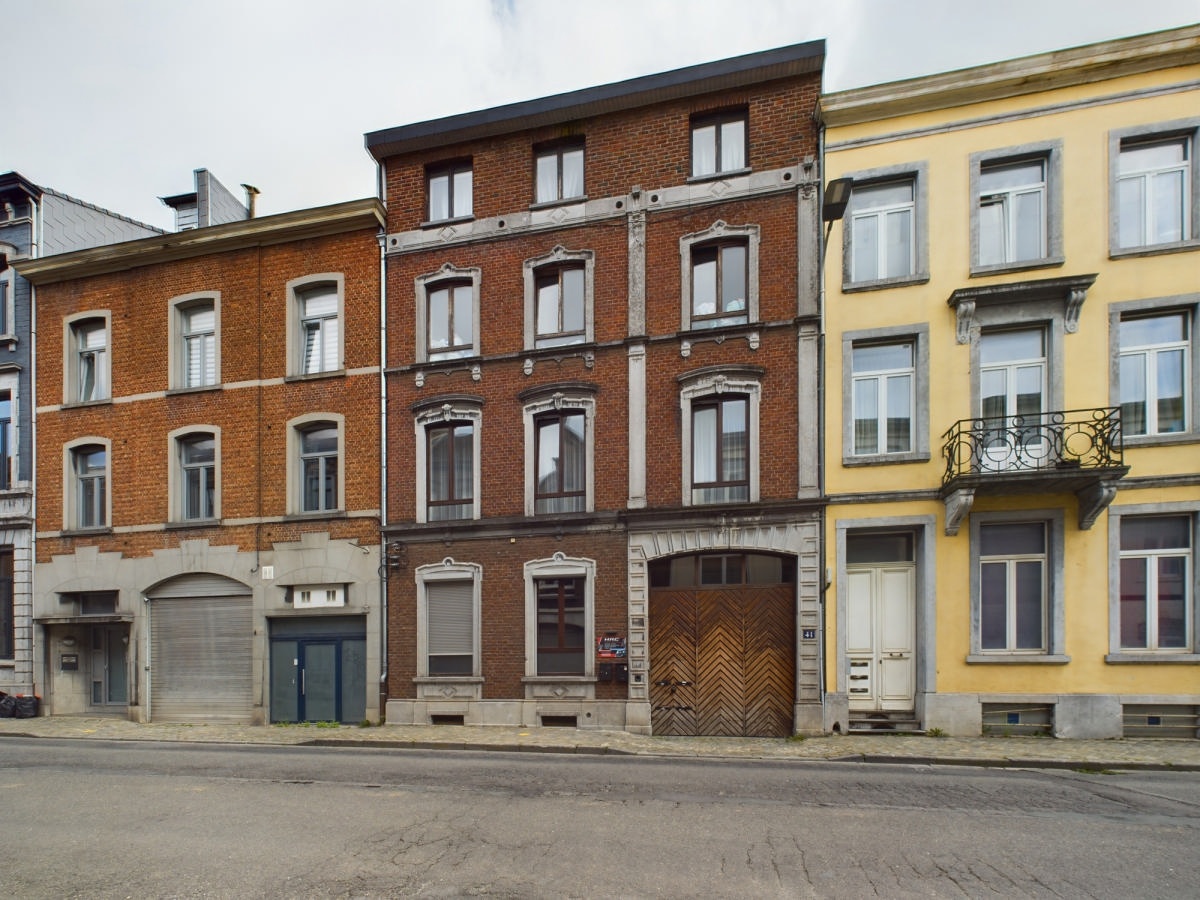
x=318 y=682
x=318 y=677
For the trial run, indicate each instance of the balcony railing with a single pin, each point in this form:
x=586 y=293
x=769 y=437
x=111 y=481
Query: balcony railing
x=1051 y=443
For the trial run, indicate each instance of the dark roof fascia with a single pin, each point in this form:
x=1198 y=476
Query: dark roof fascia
x=738 y=71
x=277 y=229
x=14 y=181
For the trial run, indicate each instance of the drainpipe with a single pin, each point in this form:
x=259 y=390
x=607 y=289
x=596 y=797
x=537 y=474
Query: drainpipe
x=381 y=193
x=822 y=568
x=36 y=235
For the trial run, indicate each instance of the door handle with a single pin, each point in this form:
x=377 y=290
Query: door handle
x=301 y=682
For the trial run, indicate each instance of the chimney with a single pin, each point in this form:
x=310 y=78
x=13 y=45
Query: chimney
x=251 y=193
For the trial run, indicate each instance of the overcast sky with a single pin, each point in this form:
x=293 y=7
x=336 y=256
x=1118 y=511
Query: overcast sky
x=117 y=101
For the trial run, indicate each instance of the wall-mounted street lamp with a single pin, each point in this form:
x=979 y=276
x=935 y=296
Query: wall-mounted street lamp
x=833 y=206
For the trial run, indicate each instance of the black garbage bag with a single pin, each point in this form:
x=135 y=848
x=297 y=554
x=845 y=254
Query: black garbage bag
x=8 y=705
x=26 y=708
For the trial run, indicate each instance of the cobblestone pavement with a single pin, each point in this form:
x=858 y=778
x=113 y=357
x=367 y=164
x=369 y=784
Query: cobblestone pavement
x=1178 y=755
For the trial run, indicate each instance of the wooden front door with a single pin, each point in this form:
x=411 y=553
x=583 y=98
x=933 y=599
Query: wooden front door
x=723 y=661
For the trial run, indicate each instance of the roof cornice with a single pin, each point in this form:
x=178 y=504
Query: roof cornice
x=1015 y=77
x=298 y=225
x=738 y=71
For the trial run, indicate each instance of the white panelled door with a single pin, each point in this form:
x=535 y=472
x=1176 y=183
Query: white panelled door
x=881 y=636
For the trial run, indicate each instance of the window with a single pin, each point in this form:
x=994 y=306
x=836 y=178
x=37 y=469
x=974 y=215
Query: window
x=1012 y=585
x=8 y=624
x=1156 y=583
x=195 y=327
x=720 y=450
x=447 y=314
x=1017 y=217
x=881 y=217
x=89 y=465
x=451 y=320
x=6 y=296
x=319 y=467
x=559 y=173
x=197 y=476
x=1153 y=174
x=451 y=466
x=559 y=613
x=884 y=380
x=719 y=285
x=88 y=360
x=720 y=438
x=719 y=144
x=720 y=276
x=1154 y=374
x=559 y=447
x=8 y=462
x=558 y=298
x=561 y=453
x=1016 y=591
x=885 y=395
x=449 y=187
x=447 y=457
x=448 y=620
x=315 y=329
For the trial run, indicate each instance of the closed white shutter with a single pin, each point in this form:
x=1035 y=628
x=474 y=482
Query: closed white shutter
x=450 y=617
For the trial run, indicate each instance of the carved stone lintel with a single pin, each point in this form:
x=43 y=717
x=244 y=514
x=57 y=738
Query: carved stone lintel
x=1093 y=500
x=965 y=319
x=958 y=504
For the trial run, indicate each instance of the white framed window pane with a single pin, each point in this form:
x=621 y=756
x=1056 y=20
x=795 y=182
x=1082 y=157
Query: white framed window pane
x=866 y=247
x=1019 y=539
x=733 y=145
x=1167 y=189
x=1155 y=533
x=882 y=357
x=547 y=308
x=704 y=444
x=1003 y=178
x=899 y=411
x=1157 y=155
x=572 y=173
x=991 y=233
x=1170 y=390
x=1131 y=204
x=439 y=197
x=1029 y=243
x=1153 y=330
x=1029 y=390
x=866 y=416
x=993 y=389
x=1133 y=393
x=704 y=150
x=312 y=347
x=1010 y=346
x=462 y=193
x=547 y=178
x=993 y=605
x=899 y=243
x=1029 y=605
x=1172 y=602
x=734 y=443
x=329 y=349
x=1133 y=607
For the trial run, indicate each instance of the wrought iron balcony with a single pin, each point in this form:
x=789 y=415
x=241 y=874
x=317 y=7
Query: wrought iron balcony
x=1078 y=450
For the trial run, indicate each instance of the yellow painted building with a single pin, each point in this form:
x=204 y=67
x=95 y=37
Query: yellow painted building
x=1012 y=419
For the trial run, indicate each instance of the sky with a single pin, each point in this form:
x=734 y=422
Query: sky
x=116 y=102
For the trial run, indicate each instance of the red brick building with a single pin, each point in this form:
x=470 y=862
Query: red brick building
x=602 y=350
x=208 y=471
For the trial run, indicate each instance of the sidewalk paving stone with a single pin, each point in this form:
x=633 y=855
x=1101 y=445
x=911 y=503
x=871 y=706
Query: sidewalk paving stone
x=1164 y=754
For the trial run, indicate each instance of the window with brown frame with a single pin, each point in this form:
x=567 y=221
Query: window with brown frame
x=558 y=172
x=721 y=450
x=720 y=143
x=561 y=627
x=560 y=305
x=561 y=448
x=719 y=284
x=449 y=187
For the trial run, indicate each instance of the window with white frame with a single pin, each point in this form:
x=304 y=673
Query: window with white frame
x=320 y=329
x=1155 y=373
x=559 y=448
x=1156 y=592
x=1153 y=201
x=884 y=386
x=449 y=188
x=89 y=474
x=314 y=463
x=720 y=437
x=447 y=457
x=558 y=298
x=448 y=620
x=316 y=596
x=558 y=172
x=719 y=276
x=8 y=607
x=719 y=143
x=88 y=360
x=882 y=218
x=1153 y=191
x=196 y=343
x=559 y=613
x=197 y=461
x=1016 y=587
x=1017 y=218
x=447 y=314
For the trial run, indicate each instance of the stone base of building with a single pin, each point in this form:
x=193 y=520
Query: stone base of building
x=599 y=714
x=1073 y=716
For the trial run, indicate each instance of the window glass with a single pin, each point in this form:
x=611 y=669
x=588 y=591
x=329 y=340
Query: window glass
x=91 y=339
x=1154 y=374
x=198 y=458
x=561 y=463
x=91 y=474
x=1012 y=212
x=1007 y=540
x=879 y=548
x=719 y=144
x=7 y=460
x=319 y=323
x=561 y=626
x=560 y=306
x=1155 y=606
x=451 y=321
x=319 y=458
x=1152 y=191
x=199 y=345
x=450 y=192
x=720 y=451
x=719 y=284
x=451 y=471
x=883 y=386
x=881 y=222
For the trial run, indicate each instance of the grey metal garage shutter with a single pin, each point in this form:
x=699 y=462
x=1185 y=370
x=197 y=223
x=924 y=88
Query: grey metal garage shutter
x=200 y=659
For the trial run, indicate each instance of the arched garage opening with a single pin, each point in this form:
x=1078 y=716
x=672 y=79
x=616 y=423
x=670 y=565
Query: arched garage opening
x=723 y=644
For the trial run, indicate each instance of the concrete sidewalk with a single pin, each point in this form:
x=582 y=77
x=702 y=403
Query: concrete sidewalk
x=1173 y=755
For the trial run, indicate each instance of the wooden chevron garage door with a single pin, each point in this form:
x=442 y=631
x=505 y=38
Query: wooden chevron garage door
x=723 y=661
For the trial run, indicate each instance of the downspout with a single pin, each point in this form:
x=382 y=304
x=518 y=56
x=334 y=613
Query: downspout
x=380 y=191
x=823 y=566
x=37 y=233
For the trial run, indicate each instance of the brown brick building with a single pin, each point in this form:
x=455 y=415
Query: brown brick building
x=208 y=471
x=602 y=502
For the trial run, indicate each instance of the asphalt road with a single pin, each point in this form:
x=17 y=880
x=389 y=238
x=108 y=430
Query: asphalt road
x=98 y=819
